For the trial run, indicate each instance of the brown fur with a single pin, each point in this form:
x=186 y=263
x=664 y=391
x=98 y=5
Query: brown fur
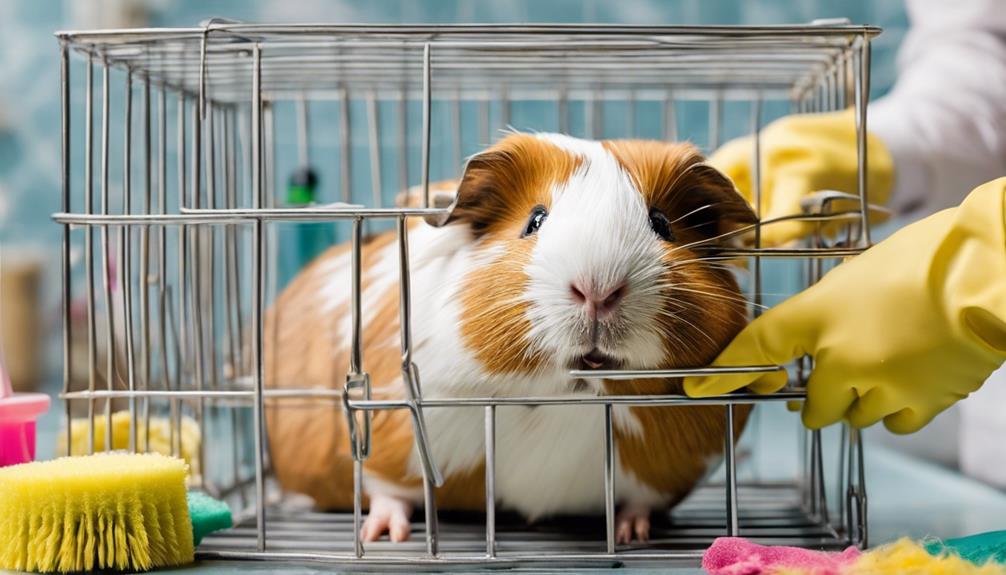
x=503 y=184
x=494 y=329
x=670 y=453
x=310 y=448
x=309 y=439
x=500 y=187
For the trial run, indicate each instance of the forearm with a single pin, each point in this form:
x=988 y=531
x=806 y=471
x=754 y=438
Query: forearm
x=944 y=121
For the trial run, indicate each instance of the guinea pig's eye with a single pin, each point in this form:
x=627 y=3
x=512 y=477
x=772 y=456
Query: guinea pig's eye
x=534 y=222
x=661 y=225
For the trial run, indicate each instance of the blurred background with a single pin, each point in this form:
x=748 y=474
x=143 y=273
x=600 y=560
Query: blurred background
x=30 y=122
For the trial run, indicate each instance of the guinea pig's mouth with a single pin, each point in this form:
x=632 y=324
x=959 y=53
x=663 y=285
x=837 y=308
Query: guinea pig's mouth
x=596 y=359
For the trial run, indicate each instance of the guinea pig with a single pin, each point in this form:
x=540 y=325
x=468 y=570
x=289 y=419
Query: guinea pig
x=557 y=254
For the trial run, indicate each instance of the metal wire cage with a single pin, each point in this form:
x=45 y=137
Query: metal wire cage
x=178 y=263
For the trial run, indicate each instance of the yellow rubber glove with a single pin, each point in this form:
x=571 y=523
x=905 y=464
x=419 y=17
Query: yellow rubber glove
x=803 y=154
x=900 y=332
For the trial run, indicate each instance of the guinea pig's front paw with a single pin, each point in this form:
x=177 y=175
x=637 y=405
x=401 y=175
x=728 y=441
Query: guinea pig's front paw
x=387 y=515
x=632 y=520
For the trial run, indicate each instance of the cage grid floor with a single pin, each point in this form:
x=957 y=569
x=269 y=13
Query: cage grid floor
x=769 y=514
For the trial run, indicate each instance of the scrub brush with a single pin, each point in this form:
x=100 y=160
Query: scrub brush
x=97 y=512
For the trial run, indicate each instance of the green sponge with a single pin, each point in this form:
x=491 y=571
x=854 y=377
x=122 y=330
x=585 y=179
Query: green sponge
x=978 y=549
x=208 y=515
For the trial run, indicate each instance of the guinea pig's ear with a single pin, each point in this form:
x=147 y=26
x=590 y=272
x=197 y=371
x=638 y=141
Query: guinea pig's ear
x=478 y=186
x=503 y=184
x=708 y=202
x=441 y=195
x=674 y=177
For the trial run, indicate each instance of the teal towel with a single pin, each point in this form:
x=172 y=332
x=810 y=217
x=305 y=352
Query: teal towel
x=978 y=549
x=208 y=515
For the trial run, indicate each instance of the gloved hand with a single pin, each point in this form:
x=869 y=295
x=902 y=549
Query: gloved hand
x=900 y=332
x=802 y=154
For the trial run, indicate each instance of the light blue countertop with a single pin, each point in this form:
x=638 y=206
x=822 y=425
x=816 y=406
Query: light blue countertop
x=907 y=496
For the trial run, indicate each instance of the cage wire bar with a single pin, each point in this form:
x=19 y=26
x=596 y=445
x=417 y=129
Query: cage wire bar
x=227 y=77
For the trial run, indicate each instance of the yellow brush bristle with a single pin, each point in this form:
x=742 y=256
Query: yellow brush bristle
x=159 y=433
x=105 y=511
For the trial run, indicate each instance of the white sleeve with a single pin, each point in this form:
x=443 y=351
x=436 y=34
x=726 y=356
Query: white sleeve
x=944 y=121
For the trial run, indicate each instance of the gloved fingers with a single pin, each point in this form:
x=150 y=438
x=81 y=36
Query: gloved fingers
x=909 y=420
x=827 y=400
x=788 y=187
x=773 y=339
x=915 y=417
x=852 y=205
x=870 y=407
x=838 y=228
x=769 y=382
x=710 y=385
x=785 y=232
x=746 y=349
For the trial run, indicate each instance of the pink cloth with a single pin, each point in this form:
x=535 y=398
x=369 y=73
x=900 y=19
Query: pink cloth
x=738 y=556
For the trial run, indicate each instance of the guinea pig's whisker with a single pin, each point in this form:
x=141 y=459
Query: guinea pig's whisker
x=724 y=235
x=679 y=230
x=723 y=267
x=668 y=284
x=676 y=318
x=706 y=261
x=709 y=258
x=696 y=210
x=720 y=297
x=706 y=289
x=678 y=306
x=679 y=340
x=699 y=330
x=740 y=303
x=715 y=292
x=691 y=281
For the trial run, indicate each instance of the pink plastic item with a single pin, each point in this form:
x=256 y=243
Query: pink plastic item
x=18 y=412
x=738 y=556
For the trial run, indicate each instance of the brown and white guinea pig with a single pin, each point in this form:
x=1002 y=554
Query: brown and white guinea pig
x=558 y=253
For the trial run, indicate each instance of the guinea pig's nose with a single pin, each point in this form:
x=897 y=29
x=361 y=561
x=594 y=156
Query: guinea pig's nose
x=599 y=302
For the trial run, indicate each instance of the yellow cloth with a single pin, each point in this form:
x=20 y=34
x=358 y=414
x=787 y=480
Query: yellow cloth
x=802 y=154
x=906 y=557
x=900 y=332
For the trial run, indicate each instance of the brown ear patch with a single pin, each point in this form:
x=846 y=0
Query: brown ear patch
x=674 y=178
x=503 y=184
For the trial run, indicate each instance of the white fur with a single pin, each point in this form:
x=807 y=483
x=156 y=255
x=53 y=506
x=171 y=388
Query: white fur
x=597 y=232
x=549 y=459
